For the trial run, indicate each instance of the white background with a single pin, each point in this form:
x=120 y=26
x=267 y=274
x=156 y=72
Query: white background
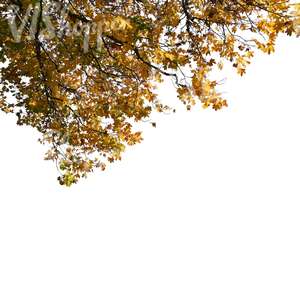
x=207 y=207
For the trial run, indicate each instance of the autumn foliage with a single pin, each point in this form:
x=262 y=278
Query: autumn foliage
x=83 y=72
